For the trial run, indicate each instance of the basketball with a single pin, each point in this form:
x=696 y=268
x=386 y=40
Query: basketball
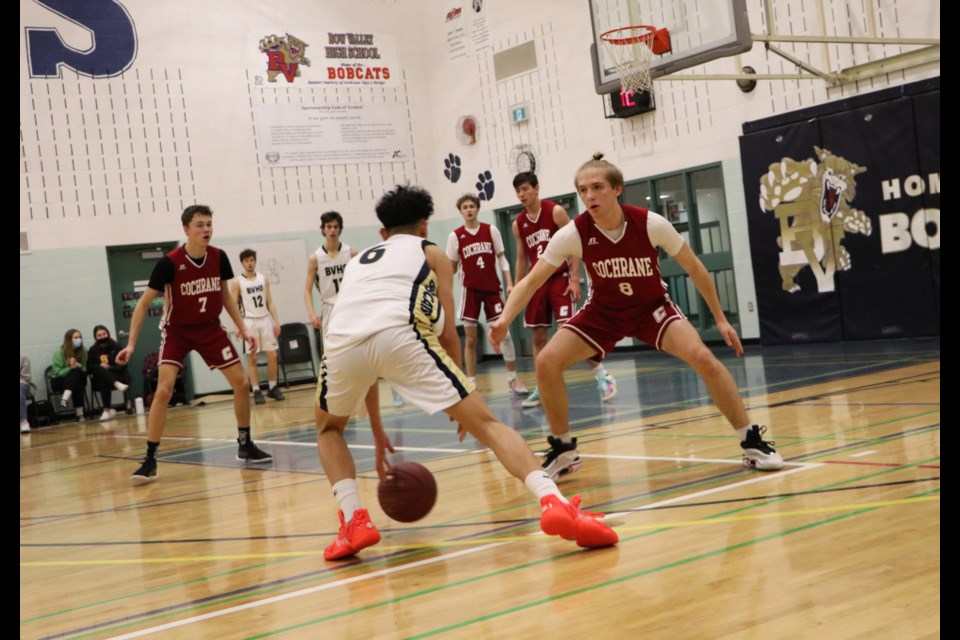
x=409 y=493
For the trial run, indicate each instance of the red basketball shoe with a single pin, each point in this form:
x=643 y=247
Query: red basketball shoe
x=355 y=535
x=569 y=522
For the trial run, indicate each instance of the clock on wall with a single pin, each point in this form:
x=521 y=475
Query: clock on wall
x=525 y=160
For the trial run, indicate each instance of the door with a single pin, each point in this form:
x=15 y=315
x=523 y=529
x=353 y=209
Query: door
x=695 y=204
x=130 y=268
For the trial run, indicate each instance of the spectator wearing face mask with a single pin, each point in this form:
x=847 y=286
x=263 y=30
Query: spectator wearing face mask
x=106 y=373
x=68 y=374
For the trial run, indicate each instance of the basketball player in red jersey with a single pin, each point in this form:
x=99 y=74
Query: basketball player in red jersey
x=476 y=249
x=194 y=280
x=619 y=247
x=556 y=298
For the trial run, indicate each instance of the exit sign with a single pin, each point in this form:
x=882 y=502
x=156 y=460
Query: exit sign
x=519 y=113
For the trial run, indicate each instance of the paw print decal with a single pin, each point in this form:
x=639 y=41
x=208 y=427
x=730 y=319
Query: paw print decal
x=451 y=167
x=485 y=186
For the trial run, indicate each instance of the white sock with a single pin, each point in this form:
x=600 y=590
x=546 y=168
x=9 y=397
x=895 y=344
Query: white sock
x=511 y=376
x=273 y=383
x=473 y=379
x=743 y=431
x=565 y=438
x=119 y=386
x=540 y=485
x=65 y=398
x=347 y=494
x=598 y=369
x=79 y=411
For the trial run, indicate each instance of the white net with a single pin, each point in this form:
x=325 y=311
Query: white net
x=629 y=49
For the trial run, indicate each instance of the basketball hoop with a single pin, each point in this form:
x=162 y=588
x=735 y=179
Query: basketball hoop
x=631 y=50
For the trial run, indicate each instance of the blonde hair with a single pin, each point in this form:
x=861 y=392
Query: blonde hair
x=612 y=174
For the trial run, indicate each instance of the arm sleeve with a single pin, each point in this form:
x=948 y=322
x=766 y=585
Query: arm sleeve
x=563 y=244
x=453 y=247
x=499 y=250
x=162 y=274
x=662 y=234
x=497 y=240
x=226 y=271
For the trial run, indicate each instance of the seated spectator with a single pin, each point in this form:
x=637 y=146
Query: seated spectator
x=68 y=375
x=106 y=373
x=27 y=389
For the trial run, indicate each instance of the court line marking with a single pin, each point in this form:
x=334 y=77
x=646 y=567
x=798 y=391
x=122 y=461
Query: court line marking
x=502 y=540
x=728 y=461
x=863 y=453
x=487 y=617
x=706 y=492
x=292 y=443
x=766 y=476
x=696 y=494
x=737 y=462
x=303 y=592
x=781 y=514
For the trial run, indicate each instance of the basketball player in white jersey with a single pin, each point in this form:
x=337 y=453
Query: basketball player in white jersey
x=252 y=289
x=325 y=272
x=325 y=268
x=394 y=319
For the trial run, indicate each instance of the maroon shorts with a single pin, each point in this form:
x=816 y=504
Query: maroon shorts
x=210 y=340
x=603 y=328
x=548 y=302
x=473 y=300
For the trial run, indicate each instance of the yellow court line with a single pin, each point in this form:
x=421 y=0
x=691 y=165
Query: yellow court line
x=474 y=541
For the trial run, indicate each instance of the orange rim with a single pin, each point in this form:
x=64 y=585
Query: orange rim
x=612 y=36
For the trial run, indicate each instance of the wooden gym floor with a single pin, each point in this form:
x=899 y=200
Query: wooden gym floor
x=844 y=542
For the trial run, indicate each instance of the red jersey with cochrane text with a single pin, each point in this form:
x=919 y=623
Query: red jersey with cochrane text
x=195 y=295
x=623 y=274
x=534 y=235
x=478 y=259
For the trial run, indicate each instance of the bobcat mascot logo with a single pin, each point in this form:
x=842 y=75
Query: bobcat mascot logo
x=811 y=199
x=284 y=55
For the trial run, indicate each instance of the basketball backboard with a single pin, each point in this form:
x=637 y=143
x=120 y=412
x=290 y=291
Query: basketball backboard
x=700 y=31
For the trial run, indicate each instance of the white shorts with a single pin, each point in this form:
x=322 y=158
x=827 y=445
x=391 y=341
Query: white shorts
x=262 y=330
x=325 y=310
x=417 y=368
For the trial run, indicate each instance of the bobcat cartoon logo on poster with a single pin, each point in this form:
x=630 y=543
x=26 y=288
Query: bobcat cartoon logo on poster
x=811 y=199
x=284 y=55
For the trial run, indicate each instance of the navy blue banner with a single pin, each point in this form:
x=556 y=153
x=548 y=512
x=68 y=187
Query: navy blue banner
x=844 y=221
x=796 y=302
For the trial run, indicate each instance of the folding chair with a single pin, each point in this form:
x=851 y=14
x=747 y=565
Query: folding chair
x=295 y=348
x=54 y=396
